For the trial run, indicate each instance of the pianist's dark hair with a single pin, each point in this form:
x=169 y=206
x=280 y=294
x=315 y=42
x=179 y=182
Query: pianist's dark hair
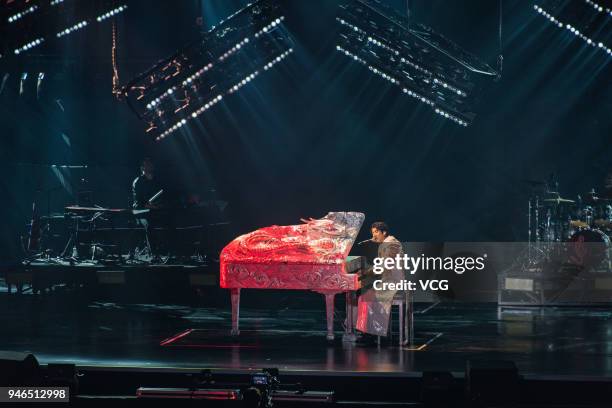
x=381 y=226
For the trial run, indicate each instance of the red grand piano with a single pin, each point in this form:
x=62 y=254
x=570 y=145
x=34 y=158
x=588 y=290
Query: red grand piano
x=312 y=256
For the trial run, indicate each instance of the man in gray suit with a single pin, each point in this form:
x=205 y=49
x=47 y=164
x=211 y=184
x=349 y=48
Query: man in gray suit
x=374 y=306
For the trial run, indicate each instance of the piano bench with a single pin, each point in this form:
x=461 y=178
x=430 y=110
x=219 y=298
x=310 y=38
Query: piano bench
x=403 y=300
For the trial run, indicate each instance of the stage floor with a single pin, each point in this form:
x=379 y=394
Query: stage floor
x=66 y=328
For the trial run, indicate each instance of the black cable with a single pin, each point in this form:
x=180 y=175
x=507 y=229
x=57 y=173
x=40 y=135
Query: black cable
x=500 y=57
x=408 y=11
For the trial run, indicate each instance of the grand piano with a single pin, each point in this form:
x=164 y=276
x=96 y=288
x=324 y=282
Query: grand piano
x=311 y=256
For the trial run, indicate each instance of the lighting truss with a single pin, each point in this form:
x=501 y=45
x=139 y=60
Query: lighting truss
x=239 y=49
x=586 y=20
x=83 y=23
x=420 y=62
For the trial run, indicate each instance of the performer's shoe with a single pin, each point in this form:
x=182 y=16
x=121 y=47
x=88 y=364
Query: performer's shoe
x=366 y=340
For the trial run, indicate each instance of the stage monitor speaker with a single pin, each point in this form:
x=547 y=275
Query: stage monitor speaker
x=491 y=382
x=62 y=375
x=437 y=389
x=19 y=369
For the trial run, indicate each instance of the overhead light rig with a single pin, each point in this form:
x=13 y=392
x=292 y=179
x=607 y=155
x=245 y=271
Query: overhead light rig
x=39 y=22
x=182 y=87
x=424 y=64
x=589 y=21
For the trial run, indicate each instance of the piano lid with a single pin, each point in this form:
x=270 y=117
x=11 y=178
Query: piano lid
x=327 y=240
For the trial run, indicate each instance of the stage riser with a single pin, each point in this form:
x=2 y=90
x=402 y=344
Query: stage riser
x=113 y=281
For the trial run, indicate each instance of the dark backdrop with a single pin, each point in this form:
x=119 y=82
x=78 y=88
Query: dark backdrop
x=317 y=133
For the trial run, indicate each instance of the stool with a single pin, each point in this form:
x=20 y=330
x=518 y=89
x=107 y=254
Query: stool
x=403 y=300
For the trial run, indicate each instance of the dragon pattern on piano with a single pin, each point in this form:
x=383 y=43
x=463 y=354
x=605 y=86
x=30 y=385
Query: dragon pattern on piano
x=307 y=256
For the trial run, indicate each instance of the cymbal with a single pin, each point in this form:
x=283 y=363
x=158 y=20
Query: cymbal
x=533 y=182
x=558 y=200
x=595 y=201
x=603 y=223
x=578 y=224
x=53 y=217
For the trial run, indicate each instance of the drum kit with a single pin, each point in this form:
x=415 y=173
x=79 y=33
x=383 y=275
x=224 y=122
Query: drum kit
x=584 y=222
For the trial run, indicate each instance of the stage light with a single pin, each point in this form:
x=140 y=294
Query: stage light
x=194 y=115
x=451 y=117
x=407 y=91
x=268 y=28
x=452 y=88
x=111 y=13
x=72 y=29
x=243 y=82
x=219 y=97
x=572 y=29
x=381 y=45
x=599 y=8
x=277 y=59
x=29 y=45
x=3 y=83
x=55 y=2
x=24 y=77
x=41 y=76
x=22 y=14
x=234 y=49
x=422 y=63
x=351 y=26
x=197 y=74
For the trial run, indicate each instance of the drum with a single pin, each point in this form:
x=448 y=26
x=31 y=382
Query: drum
x=603 y=217
x=588 y=248
x=554 y=222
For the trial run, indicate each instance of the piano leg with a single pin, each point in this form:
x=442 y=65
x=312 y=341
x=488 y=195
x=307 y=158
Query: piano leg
x=329 y=309
x=349 y=331
x=235 y=294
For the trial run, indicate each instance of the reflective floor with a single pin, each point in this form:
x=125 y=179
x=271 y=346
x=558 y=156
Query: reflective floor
x=290 y=336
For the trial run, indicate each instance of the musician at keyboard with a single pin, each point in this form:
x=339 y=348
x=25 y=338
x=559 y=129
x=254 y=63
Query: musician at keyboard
x=145 y=186
x=374 y=306
x=145 y=196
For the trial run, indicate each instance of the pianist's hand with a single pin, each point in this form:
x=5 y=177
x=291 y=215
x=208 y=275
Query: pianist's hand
x=306 y=221
x=363 y=273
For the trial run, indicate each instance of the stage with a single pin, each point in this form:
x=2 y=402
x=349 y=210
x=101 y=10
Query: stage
x=120 y=346
x=282 y=329
x=199 y=193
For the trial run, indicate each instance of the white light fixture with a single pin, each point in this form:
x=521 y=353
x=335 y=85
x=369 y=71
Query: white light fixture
x=22 y=14
x=111 y=13
x=407 y=91
x=72 y=29
x=29 y=45
x=572 y=29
